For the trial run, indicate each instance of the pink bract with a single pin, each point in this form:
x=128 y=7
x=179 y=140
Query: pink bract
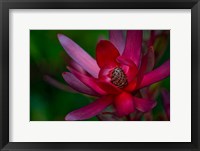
x=119 y=70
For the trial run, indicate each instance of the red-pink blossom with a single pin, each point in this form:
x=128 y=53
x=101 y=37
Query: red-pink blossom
x=120 y=69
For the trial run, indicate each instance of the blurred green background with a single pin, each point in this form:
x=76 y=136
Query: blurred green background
x=48 y=58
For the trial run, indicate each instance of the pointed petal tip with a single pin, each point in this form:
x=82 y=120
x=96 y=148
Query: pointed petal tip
x=68 y=117
x=64 y=73
x=156 y=75
x=62 y=38
x=90 y=110
x=59 y=35
x=118 y=39
x=79 y=55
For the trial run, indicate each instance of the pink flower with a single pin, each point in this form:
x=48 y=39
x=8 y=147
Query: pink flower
x=118 y=71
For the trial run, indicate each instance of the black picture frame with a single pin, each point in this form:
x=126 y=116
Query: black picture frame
x=5 y=5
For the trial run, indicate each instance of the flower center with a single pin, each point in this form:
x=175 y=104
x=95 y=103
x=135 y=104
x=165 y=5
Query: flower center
x=118 y=78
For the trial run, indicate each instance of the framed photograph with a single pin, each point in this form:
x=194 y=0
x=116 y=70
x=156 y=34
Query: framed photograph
x=99 y=75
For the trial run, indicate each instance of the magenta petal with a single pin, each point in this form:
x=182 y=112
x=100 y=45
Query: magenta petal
x=117 y=38
x=90 y=110
x=106 y=53
x=148 y=61
x=58 y=84
x=156 y=75
x=133 y=46
x=124 y=104
x=109 y=87
x=144 y=105
x=125 y=60
x=79 y=55
x=77 y=67
x=128 y=67
x=77 y=84
x=89 y=81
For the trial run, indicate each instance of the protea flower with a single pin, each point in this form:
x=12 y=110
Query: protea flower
x=118 y=72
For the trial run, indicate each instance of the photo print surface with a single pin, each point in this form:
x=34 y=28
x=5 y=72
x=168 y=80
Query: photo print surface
x=100 y=75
